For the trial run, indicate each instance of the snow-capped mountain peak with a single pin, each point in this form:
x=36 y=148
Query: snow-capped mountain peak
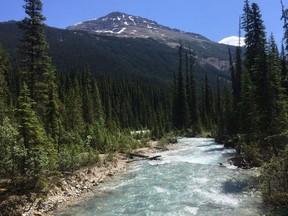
x=125 y=25
x=233 y=41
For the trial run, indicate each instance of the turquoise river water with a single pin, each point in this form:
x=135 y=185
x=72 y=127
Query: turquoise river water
x=187 y=181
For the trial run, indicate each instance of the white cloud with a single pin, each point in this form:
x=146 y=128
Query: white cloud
x=233 y=41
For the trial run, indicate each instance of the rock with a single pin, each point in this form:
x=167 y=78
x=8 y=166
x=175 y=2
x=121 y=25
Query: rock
x=36 y=213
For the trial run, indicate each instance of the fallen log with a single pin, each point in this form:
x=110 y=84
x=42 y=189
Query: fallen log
x=157 y=157
x=145 y=157
x=132 y=155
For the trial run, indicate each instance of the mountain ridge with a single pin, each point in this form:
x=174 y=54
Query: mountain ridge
x=138 y=58
x=126 y=25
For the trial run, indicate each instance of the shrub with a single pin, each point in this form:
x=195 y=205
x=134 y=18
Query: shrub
x=275 y=177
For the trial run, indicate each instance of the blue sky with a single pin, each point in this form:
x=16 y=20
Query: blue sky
x=214 y=19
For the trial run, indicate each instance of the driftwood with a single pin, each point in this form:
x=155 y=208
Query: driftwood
x=145 y=157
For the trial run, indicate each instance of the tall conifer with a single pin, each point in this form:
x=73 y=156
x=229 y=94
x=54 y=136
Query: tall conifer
x=3 y=84
x=180 y=102
x=36 y=66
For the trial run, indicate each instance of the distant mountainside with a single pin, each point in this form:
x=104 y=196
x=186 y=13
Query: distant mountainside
x=146 y=58
x=128 y=26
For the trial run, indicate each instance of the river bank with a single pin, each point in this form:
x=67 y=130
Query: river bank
x=74 y=186
x=189 y=180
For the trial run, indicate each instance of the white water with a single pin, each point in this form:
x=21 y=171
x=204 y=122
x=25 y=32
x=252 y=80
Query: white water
x=187 y=181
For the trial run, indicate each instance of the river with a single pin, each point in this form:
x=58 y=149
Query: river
x=187 y=181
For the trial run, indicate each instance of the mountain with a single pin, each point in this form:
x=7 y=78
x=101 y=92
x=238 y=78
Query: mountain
x=233 y=41
x=147 y=58
x=101 y=55
x=117 y=24
x=125 y=25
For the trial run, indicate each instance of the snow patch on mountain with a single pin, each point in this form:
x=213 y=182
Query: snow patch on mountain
x=79 y=23
x=122 y=30
x=233 y=41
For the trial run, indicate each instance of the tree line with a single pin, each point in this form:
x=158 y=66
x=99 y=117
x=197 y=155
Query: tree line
x=51 y=122
x=260 y=93
x=251 y=112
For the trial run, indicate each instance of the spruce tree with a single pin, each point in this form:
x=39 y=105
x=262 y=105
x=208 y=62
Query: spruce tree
x=255 y=63
x=40 y=154
x=36 y=66
x=284 y=17
x=97 y=102
x=219 y=111
x=192 y=97
x=188 y=89
x=247 y=108
x=228 y=123
x=180 y=102
x=3 y=84
x=208 y=104
x=284 y=49
x=74 y=111
x=276 y=107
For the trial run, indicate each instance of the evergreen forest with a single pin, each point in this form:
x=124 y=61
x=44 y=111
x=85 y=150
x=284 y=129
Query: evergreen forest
x=59 y=119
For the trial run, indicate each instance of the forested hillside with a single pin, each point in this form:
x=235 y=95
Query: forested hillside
x=68 y=96
x=133 y=58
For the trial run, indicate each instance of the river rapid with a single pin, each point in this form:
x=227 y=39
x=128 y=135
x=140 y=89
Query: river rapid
x=187 y=181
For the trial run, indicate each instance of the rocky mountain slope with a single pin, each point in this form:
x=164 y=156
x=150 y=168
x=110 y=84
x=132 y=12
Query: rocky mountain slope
x=124 y=25
x=125 y=46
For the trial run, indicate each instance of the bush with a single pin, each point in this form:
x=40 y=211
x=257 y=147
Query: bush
x=275 y=177
x=252 y=155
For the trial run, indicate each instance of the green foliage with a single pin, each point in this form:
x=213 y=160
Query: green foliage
x=12 y=150
x=36 y=67
x=180 y=100
x=40 y=158
x=167 y=138
x=253 y=157
x=4 y=93
x=275 y=177
x=69 y=156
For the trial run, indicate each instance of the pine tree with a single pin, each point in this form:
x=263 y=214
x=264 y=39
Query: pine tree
x=74 y=111
x=188 y=89
x=283 y=64
x=255 y=63
x=228 y=123
x=238 y=73
x=36 y=66
x=98 y=108
x=3 y=84
x=219 y=111
x=249 y=42
x=208 y=104
x=40 y=155
x=284 y=49
x=248 y=108
x=180 y=103
x=192 y=97
x=276 y=107
x=284 y=17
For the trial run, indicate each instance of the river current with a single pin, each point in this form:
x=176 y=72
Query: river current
x=193 y=179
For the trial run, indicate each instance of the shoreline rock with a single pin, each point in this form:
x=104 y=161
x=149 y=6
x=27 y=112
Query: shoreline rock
x=73 y=187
